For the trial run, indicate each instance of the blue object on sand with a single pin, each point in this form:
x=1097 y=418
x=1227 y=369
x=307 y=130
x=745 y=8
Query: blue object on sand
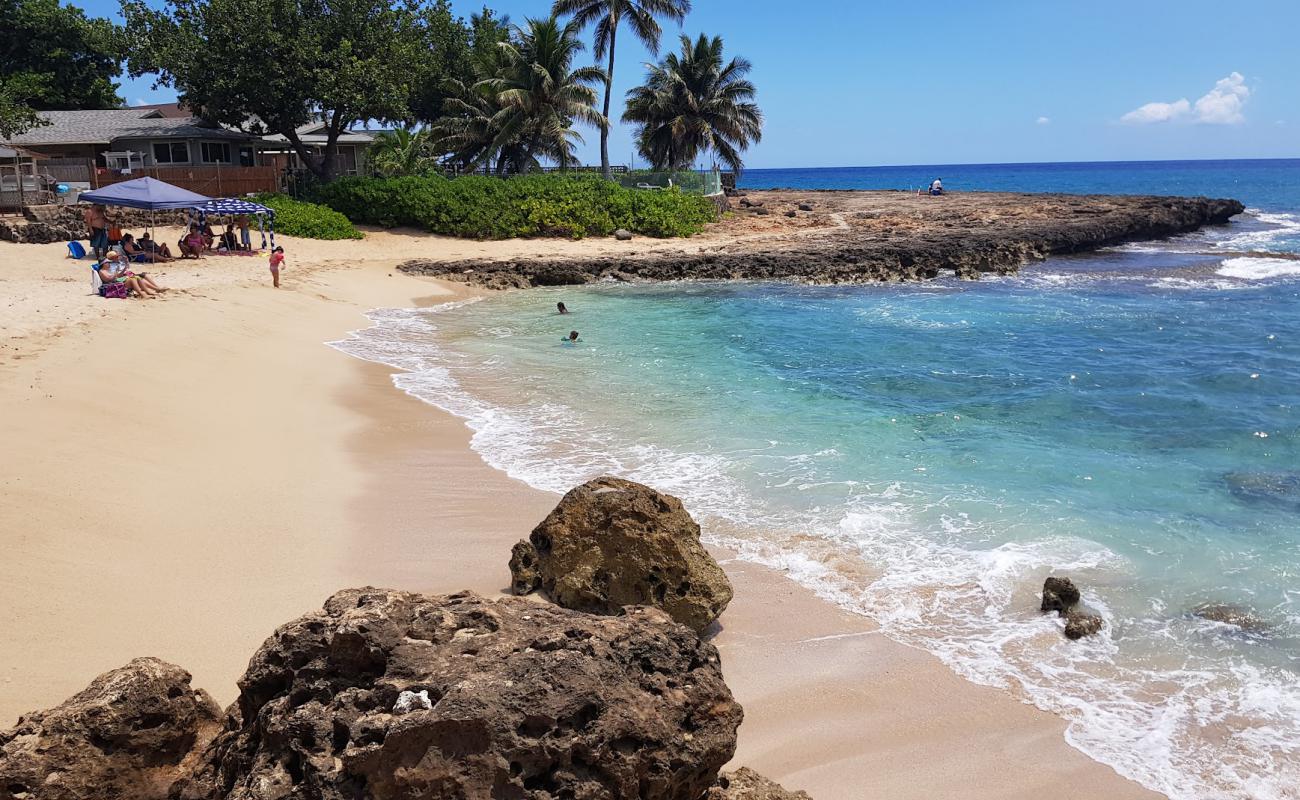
x=62 y=188
x=76 y=250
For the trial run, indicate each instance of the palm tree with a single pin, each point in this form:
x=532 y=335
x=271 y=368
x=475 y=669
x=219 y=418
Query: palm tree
x=402 y=152
x=540 y=95
x=607 y=14
x=692 y=104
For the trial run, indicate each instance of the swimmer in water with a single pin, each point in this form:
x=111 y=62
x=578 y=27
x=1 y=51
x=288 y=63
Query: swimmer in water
x=560 y=308
x=572 y=338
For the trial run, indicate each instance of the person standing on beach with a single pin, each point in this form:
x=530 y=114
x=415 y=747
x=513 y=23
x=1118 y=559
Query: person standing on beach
x=277 y=258
x=245 y=240
x=97 y=221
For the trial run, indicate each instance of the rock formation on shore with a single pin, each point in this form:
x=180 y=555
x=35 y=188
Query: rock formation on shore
x=859 y=237
x=746 y=784
x=126 y=736
x=612 y=543
x=1062 y=596
x=527 y=700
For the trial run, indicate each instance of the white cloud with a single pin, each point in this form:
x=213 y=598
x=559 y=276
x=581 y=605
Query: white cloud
x=1221 y=105
x=1157 y=112
x=1044 y=121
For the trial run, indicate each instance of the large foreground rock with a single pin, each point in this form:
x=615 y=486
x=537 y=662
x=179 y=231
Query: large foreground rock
x=524 y=700
x=612 y=543
x=746 y=784
x=126 y=737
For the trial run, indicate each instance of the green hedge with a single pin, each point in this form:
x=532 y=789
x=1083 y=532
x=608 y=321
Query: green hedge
x=482 y=207
x=308 y=220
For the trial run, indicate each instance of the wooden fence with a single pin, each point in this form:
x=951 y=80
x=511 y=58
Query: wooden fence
x=210 y=181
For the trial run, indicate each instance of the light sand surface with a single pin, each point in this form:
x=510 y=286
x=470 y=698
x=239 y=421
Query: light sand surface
x=180 y=476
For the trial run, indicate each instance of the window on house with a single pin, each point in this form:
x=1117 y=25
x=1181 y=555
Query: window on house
x=171 y=153
x=216 y=152
x=246 y=157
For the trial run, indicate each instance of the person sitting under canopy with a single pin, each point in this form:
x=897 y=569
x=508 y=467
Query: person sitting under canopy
x=135 y=252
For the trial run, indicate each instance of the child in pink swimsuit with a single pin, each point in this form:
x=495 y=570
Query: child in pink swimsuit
x=277 y=258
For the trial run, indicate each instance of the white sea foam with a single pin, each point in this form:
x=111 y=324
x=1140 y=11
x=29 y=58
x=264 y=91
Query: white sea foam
x=1162 y=724
x=1253 y=269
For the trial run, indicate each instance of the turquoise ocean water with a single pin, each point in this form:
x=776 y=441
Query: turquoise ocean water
x=926 y=454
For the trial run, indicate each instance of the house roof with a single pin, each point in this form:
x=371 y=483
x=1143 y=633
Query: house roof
x=172 y=110
x=103 y=127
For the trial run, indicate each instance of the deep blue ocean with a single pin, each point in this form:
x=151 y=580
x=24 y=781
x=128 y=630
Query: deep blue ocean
x=926 y=454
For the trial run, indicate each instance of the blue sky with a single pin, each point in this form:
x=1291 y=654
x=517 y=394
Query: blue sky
x=941 y=81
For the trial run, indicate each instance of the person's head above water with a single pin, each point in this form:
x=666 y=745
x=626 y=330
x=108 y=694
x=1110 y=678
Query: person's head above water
x=573 y=336
x=561 y=308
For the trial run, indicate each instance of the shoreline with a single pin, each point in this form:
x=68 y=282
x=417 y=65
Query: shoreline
x=259 y=470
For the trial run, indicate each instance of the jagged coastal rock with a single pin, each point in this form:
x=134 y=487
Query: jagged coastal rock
x=1062 y=596
x=1059 y=594
x=861 y=237
x=612 y=543
x=746 y=784
x=127 y=736
x=528 y=701
x=1228 y=614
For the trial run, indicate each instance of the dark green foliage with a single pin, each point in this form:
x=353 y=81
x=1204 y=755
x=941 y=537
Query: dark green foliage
x=277 y=65
x=308 y=220
x=481 y=207
x=52 y=58
x=693 y=104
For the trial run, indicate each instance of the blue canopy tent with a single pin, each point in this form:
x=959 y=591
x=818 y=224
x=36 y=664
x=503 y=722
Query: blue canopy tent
x=147 y=193
x=235 y=206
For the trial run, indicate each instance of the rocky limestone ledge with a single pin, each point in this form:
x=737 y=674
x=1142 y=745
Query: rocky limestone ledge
x=612 y=543
x=126 y=736
x=397 y=695
x=862 y=237
x=746 y=784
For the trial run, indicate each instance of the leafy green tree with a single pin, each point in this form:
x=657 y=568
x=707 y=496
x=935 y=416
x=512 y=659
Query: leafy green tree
x=402 y=152
x=53 y=57
x=607 y=14
x=446 y=56
x=272 y=66
x=540 y=95
x=692 y=104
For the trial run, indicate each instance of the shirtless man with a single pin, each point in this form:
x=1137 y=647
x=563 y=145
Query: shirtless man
x=97 y=220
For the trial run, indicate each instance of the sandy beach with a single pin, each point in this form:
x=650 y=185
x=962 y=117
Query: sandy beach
x=180 y=476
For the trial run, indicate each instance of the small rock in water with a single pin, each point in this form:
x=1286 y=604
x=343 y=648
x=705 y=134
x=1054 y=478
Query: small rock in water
x=1277 y=489
x=1059 y=594
x=1229 y=614
x=1079 y=624
x=409 y=701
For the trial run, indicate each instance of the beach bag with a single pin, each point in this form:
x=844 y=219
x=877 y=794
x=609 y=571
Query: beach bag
x=113 y=290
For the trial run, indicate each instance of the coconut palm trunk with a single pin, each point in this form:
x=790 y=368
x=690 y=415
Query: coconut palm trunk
x=609 y=92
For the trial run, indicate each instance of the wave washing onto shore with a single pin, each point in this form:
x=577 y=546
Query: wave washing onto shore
x=1127 y=418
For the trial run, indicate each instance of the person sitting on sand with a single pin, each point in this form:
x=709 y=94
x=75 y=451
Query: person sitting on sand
x=228 y=241
x=192 y=244
x=148 y=245
x=138 y=254
x=113 y=269
x=560 y=308
x=936 y=188
x=209 y=238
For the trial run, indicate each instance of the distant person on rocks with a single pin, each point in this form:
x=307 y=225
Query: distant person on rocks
x=277 y=258
x=936 y=188
x=561 y=308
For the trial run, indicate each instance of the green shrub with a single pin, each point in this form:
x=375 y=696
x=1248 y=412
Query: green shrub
x=308 y=220
x=482 y=207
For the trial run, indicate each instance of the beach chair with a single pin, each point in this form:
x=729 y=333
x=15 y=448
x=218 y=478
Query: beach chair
x=95 y=280
x=75 y=250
